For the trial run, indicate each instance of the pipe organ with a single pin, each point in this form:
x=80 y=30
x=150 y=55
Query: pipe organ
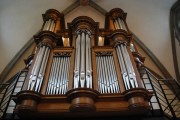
x=83 y=68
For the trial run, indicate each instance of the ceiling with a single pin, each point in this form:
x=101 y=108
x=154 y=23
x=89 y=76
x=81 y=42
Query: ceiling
x=148 y=19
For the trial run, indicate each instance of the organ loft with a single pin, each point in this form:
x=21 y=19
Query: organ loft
x=83 y=70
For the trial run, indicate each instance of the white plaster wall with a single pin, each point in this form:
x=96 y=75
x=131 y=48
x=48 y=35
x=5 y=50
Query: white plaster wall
x=85 y=11
x=177 y=53
x=148 y=19
x=19 y=21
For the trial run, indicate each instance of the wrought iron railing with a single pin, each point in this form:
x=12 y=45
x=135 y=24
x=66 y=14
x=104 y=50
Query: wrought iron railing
x=166 y=94
x=164 y=100
x=12 y=87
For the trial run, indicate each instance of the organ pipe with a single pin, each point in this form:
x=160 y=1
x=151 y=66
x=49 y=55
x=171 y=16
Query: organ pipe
x=49 y=25
x=59 y=75
x=83 y=70
x=107 y=76
x=38 y=70
x=119 y=24
x=126 y=66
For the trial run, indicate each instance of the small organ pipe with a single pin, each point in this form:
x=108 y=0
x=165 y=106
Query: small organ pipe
x=87 y=62
x=107 y=73
x=123 y=25
x=63 y=75
x=111 y=71
x=104 y=74
x=107 y=77
x=54 y=24
x=51 y=75
x=45 y=25
x=115 y=26
x=101 y=87
x=67 y=74
x=82 y=71
x=54 y=75
x=115 y=76
x=119 y=23
x=48 y=24
x=116 y=23
x=98 y=73
x=60 y=76
x=51 y=26
x=77 y=60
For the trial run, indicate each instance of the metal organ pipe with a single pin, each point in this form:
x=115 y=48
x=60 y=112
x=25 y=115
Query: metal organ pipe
x=51 y=76
x=116 y=84
x=83 y=70
x=107 y=76
x=116 y=24
x=126 y=66
x=123 y=25
x=77 y=61
x=131 y=69
x=122 y=66
x=49 y=25
x=88 y=63
x=42 y=69
x=119 y=24
x=59 y=75
x=45 y=25
x=82 y=67
x=38 y=69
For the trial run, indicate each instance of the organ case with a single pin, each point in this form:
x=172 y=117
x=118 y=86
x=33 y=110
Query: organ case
x=83 y=69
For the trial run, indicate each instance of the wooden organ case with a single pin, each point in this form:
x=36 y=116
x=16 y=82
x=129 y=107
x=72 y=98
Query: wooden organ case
x=83 y=70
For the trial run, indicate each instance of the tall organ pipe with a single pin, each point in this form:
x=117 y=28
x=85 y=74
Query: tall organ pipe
x=42 y=69
x=127 y=69
x=83 y=70
x=77 y=60
x=38 y=69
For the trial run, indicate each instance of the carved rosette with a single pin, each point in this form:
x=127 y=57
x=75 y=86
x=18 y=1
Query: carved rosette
x=82 y=99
